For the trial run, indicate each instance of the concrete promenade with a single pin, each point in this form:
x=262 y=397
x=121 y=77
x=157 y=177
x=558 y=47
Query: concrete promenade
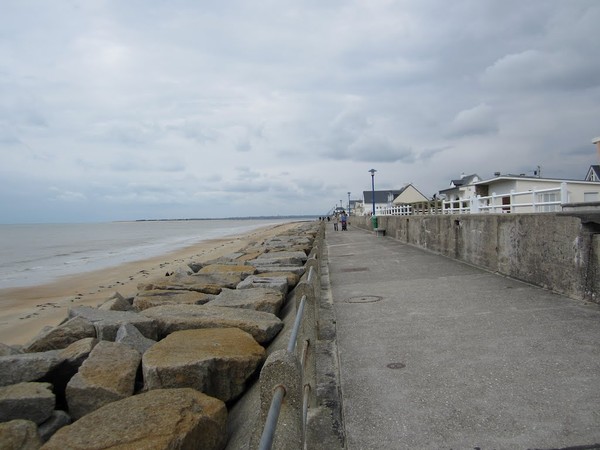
x=436 y=354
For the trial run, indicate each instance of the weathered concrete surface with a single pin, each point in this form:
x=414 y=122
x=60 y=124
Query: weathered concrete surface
x=28 y=401
x=61 y=336
x=107 y=323
x=216 y=361
x=553 y=251
x=19 y=435
x=258 y=299
x=156 y=420
x=439 y=354
x=261 y=325
x=106 y=376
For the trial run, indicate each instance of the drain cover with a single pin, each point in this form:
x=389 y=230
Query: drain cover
x=365 y=299
x=396 y=365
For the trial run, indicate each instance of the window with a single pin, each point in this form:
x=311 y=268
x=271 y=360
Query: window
x=590 y=197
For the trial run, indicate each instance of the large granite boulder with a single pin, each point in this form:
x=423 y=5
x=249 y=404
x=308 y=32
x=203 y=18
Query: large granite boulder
x=216 y=361
x=258 y=299
x=28 y=366
x=61 y=336
x=29 y=401
x=242 y=270
x=283 y=258
x=108 y=322
x=261 y=325
x=208 y=283
x=116 y=303
x=182 y=419
x=150 y=299
x=291 y=276
x=106 y=376
x=130 y=335
x=57 y=420
x=255 y=281
x=19 y=435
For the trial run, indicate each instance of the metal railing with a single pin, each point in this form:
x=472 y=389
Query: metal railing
x=286 y=375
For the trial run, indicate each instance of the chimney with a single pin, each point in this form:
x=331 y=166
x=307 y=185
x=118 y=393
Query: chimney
x=596 y=141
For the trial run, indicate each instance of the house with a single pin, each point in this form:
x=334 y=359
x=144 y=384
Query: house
x=593 y=173
x=394 y=197
x=461 y=189
x=520 y=193
x=408 y=195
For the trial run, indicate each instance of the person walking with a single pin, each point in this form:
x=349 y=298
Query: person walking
x=336 y=220
x=344 y=221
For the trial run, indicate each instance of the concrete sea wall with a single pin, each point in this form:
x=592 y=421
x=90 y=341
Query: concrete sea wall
x=554 y=251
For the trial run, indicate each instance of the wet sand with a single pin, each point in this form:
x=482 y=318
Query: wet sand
x=25 y=311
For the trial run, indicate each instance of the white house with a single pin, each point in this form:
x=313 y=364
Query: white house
x=461 y=189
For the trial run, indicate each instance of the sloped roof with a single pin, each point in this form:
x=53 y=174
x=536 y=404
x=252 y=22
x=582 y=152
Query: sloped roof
x=595 y=168
x=467 y=179
x=382 y=196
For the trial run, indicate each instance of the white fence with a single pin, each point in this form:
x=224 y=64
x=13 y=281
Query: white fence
x=534 y=201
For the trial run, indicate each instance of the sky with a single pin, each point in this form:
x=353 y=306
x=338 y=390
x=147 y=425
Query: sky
x=154 y=109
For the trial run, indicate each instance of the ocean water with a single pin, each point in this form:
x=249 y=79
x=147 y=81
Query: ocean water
x=35 y=254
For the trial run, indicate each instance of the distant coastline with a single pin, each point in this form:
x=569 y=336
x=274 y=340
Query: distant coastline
x=309 y=216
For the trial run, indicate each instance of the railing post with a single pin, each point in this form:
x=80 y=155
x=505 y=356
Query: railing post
x=564 y=193
x=281 y=370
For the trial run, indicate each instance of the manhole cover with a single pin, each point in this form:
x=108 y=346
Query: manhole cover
x=365 y=299
x=396 y=365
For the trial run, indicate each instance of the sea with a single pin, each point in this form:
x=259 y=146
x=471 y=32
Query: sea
x=35 y=254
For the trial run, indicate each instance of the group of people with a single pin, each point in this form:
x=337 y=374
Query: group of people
x=340 y=218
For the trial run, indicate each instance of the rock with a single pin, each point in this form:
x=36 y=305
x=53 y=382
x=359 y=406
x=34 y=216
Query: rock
x=57 y=420
x=28 y=366
x=116 y=303
x=261 y=325
x=150 y=299
x=28 y=401
x=61 y=336
x=258 y=299
x=276 y=269
x=242 y=270
x=130 y=335
x=19 y=435
x=108 y=322
x=160 y=419
x=195 y=266
x=7 y=350
x=106 y=376
x=292 y=278
x=216 y=361
x=76 y=353
x=254 y=281
x=283 y=258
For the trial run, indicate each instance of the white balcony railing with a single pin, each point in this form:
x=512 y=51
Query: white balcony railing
x=534 y=201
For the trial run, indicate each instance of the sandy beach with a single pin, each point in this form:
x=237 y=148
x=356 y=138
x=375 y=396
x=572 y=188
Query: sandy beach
x=25 y=311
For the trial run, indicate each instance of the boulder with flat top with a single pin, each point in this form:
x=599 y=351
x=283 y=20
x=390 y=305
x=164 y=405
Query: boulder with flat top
x=149 y=299
x=258 y=299
x=29 y=401
x=28 y=366
x=216 y=361
x=61 y=336
x=108 y=322
x=183 y=419
x=106 y=376
x=261 y=325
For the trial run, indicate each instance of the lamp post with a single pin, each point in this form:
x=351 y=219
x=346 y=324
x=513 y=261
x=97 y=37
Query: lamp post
x=348 y=203
x=373 y=187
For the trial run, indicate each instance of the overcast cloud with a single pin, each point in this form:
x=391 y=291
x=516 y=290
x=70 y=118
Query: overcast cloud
x=116 y=110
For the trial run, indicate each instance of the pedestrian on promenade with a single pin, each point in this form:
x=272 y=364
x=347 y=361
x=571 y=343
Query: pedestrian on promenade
x=344 y=221
x=336 y=220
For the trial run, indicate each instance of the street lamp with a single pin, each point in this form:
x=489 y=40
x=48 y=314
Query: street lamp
x=373 y=187
x=348 y=203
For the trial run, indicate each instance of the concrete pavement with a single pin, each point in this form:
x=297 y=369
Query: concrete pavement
x=436 y=354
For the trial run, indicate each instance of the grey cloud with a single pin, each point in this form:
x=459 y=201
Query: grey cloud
x=479 y=120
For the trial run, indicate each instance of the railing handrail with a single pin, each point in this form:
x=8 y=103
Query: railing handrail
x=279 y=391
